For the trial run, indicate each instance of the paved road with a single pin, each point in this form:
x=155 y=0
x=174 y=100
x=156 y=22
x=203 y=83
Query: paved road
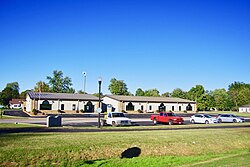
x=84 y=122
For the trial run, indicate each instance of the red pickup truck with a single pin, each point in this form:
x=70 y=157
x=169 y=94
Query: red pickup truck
x=166 y=117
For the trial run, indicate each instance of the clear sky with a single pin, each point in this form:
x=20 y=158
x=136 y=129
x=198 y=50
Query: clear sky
x=147 y=43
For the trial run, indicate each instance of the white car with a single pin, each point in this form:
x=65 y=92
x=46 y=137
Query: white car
x=202 y=118
x=229 y=118
x=115 y=119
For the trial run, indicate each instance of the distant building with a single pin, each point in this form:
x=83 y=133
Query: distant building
x=245 y=108
x=146 y=104
x=63 y=102
x=16 y=103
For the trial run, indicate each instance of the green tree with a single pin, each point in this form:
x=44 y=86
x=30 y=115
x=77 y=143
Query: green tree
x=210 y=101
x=179 y=93
x=166 y=94
x=118 y=87
x=59 y=84
x=41 y=86
x=152 y=92
x=23 y=94
x=14 y=86
x=139 y=92
x=239 y=94
x=197 y=94
x=81 y=92
x=11 y=91
x=221 y=99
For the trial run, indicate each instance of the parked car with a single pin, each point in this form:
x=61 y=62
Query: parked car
x=115 y=119
x=166 y=117
x=229 y=118
x=202 y=118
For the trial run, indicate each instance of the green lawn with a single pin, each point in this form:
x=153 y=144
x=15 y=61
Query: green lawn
x=157 y=148
x=19 y=125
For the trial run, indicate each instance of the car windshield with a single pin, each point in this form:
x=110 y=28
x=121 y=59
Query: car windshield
x=207 y=116
x=171 y=114
x=118 y=115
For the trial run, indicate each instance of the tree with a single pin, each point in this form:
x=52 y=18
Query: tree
x=41 y=86
x=97 y=94
x=118 y=87
x=179 y=93
x=14 y=86
x=166 y=94
x=152 y=92
x=59 y=84
x=139 y=92
x=81 y=92
x=197 y=94
x=210 y=101
x=239 y=94
x=221 y=99
x=11 y=91
x=23 y=94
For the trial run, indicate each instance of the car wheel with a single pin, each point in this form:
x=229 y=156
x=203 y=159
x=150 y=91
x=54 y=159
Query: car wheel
x=192 y=121
x=170 y=122
x=114 y=123
x=206 y=122
x=234 y=121
x=155 y=121
x=219 y=120
x=103 y=122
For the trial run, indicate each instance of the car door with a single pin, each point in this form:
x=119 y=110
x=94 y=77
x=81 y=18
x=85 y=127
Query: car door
x=198 y=118
x=226 y=118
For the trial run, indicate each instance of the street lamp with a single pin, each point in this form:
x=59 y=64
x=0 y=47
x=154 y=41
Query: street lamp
x=99 y=104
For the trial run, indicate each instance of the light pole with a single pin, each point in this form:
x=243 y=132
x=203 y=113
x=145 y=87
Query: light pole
x=99 y=104
x=84 y=81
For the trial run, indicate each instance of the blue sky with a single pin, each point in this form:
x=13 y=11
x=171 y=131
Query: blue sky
x=147 y=43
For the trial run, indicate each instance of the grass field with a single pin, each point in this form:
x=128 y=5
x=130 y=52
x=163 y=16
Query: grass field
x=208 y=147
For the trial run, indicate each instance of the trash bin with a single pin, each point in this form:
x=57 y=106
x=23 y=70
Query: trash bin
x=54 y=121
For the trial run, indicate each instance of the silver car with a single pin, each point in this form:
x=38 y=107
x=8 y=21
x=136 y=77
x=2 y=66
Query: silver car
x=229 y=118
x=202 y=118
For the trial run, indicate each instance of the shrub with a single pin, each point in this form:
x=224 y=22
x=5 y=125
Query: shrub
x=124 y=111
x=185 y=111
x=81 y=111
x=34 y=111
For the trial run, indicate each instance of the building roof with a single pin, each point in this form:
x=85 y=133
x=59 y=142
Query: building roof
x=149 y=99
x=16 y=101
x=246 y=106
x=61 y=96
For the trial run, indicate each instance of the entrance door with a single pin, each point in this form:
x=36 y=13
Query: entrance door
x=89 y=107
x=162 y=108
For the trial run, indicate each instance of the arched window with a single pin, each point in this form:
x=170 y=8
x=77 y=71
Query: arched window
x=45 y=105
x=130 y=107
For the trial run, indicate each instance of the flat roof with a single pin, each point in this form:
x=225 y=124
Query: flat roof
x=61 y=96
x=149 y=99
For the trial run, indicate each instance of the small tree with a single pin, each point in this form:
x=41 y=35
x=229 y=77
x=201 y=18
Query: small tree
x=118 y=87
x=139 y=92
x=59 y=84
